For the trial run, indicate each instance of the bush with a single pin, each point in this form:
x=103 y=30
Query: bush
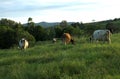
x=10 y=37
x=24 y=34
x=38 y=32
x=6 y=37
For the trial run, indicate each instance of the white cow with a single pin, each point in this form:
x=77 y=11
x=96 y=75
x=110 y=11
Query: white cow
x=101 y=35
x=54 y=40
x=23 y=43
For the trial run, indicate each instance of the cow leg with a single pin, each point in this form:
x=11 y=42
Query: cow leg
x=109 y=41
x=68 y=40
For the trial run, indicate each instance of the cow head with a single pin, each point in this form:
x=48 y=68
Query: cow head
x=72 y=41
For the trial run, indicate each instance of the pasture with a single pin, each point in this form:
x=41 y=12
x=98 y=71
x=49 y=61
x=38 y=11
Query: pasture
x=56 y=61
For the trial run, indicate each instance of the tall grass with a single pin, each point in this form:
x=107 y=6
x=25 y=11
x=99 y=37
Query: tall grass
x=45 y=60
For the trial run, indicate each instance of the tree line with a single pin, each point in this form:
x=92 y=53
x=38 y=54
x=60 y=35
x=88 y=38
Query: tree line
x=11 y=32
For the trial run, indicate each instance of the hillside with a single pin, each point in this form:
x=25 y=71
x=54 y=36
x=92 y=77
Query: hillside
x=57 y=61
x=48 y=24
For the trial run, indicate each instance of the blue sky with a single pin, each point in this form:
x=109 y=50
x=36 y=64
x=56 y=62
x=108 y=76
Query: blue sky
x=56 y=11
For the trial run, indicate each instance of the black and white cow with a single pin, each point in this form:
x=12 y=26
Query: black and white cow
x=23 y=43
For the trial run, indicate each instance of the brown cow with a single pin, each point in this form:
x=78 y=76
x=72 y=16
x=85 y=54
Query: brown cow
x=67 y=38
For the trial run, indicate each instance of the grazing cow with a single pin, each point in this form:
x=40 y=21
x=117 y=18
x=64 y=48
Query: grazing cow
x=101 y=35
x=54 y=40
x=67 y=38
x=23 y=43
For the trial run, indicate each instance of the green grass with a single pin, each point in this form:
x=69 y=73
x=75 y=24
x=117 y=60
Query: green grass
x=57 y=61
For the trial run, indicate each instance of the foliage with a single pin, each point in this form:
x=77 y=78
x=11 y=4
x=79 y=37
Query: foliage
x=7 y=22
x=90 y=28
x=24 y=34
x=38 y=32
x=10 y=37
x=15 y=31
x=31 y=24
x=63 y=24
x=58 y=31
x=78 y=25
x=50 y=33
x=29 y=19
x=6 y=37
x=75 y=31
x=112 y=27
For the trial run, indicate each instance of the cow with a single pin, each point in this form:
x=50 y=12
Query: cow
x=67 y=38
x=54 y=40
x=23 y=43
x=101 y=35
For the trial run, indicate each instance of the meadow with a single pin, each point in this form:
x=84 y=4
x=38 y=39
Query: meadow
x=46 y=60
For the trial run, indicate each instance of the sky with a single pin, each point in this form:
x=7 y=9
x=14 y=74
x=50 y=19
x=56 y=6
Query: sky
x=59 y=10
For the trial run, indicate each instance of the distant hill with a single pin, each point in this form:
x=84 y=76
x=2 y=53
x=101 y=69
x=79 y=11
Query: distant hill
x=115 y=21
x=48 y=24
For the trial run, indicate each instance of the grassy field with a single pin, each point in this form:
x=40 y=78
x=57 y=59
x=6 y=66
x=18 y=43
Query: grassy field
x=57 y=61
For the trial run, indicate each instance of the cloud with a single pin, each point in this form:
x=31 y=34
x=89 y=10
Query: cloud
x=18 y=8
x=31 y=5
x=53 y=10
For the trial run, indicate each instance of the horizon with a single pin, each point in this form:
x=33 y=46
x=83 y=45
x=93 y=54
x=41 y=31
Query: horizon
x=56 y=11
x=59 y=21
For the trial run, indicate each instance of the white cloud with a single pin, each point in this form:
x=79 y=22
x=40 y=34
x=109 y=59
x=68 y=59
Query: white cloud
x=57 y=10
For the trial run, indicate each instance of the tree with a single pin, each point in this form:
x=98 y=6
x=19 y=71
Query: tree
x=10 y=37
x=90 y=28
x=69 y=29
x=58 y=31
x=18 y=26
x=7 y=22
x=75 y=25
x=38 y=32
x=30 y=22
x=24 y=34
x=6 y=37
x=111 y=27
x=63 y=24
x=78 y=25
x=50 y=33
